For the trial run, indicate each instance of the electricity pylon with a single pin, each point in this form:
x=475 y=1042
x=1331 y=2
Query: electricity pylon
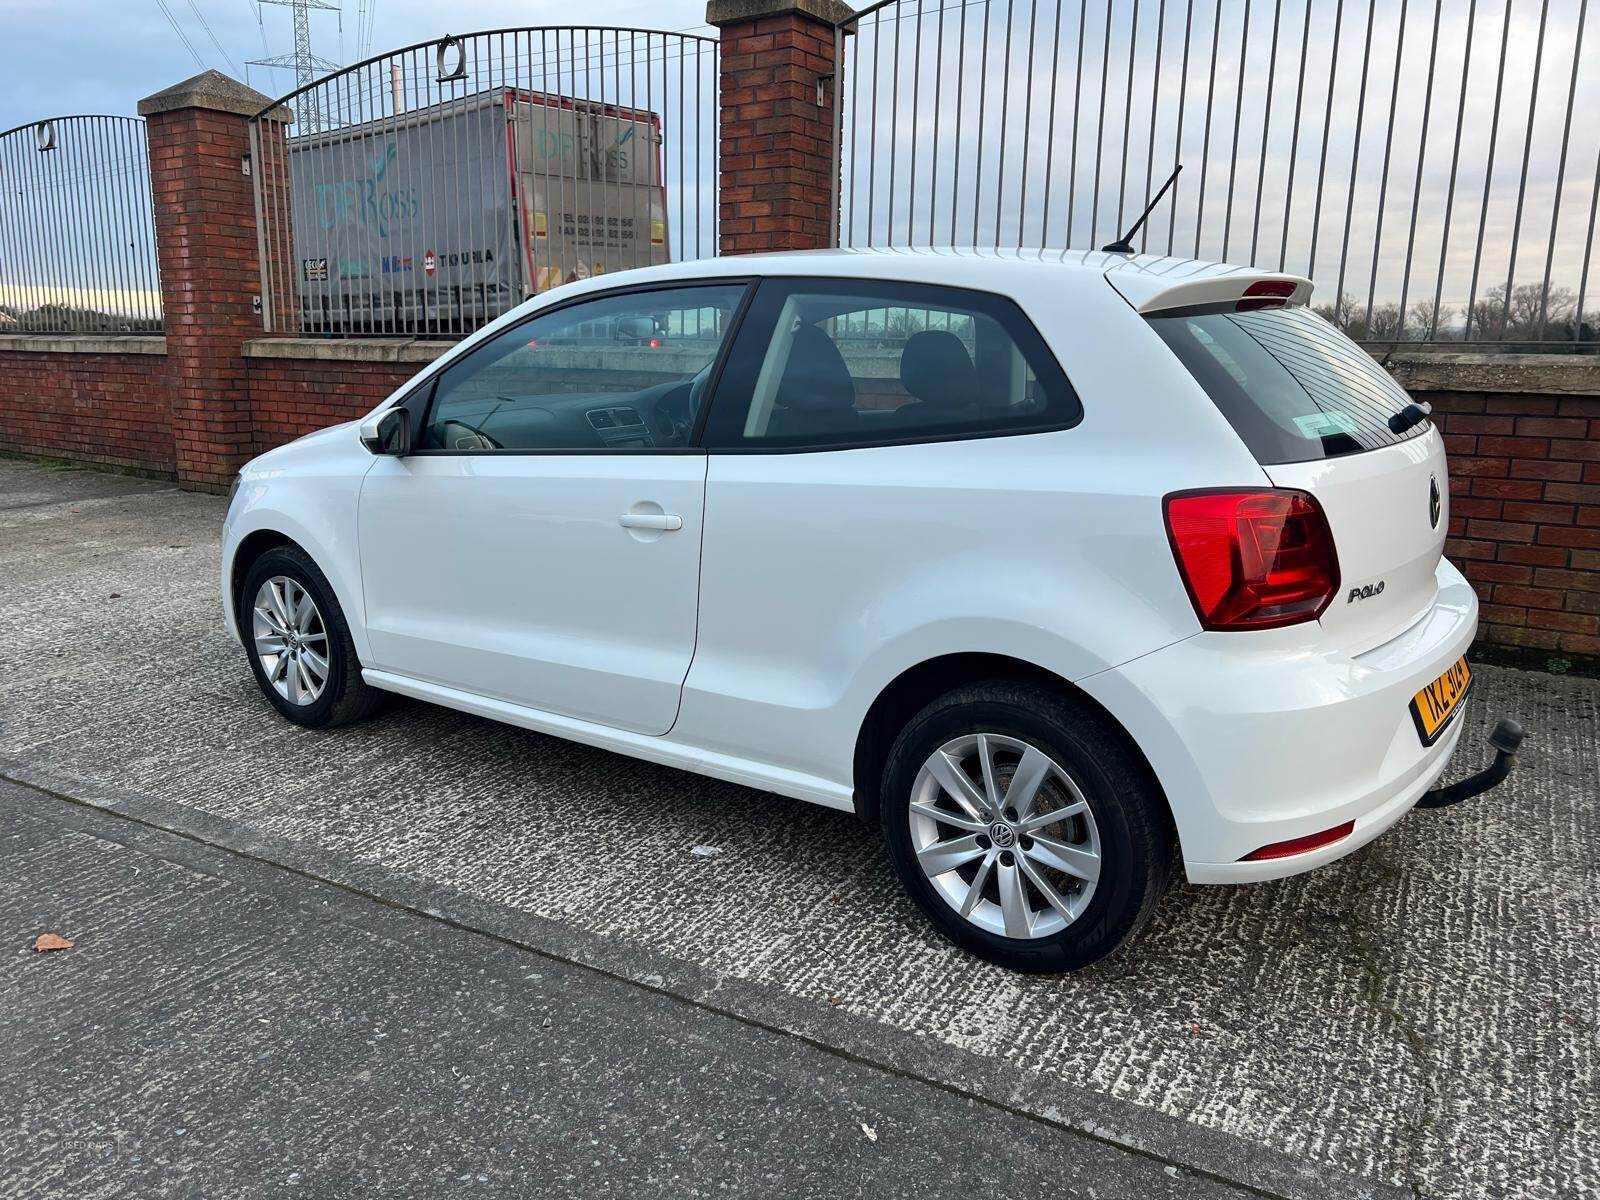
x=306 y=65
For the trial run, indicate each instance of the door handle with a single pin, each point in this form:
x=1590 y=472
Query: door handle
x=658 y=521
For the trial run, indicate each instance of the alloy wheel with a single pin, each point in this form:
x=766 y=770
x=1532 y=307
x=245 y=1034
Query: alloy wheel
x=1004 y=835
x=290 y=640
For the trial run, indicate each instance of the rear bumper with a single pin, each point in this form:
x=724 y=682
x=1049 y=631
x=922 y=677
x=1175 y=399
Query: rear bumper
x=1385 y=811
x=1261 y=738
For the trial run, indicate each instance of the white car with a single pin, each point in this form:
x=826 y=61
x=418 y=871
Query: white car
x=1054 y=564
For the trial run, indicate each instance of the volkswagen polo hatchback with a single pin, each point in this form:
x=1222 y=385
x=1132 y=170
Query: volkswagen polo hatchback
x=1060 y=567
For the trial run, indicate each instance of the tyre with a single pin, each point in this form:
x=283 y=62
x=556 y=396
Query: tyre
x=299 y=643
x=1025 y=827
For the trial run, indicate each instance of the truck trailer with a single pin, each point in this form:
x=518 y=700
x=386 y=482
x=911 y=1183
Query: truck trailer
x=439 y=219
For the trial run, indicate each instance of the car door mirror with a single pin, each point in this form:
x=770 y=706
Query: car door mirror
x=388 y=432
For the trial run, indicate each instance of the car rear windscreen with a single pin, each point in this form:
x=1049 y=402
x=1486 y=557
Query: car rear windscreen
x=1293 y=387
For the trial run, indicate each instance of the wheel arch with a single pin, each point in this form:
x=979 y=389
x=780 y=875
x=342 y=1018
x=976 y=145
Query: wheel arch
x=271 y=534
x=905 y=695
x=251 y=547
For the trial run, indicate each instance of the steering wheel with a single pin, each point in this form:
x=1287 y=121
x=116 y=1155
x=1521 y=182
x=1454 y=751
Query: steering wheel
x=694 y=397
x=458 y=435
x=697 y=388
x=674 y=424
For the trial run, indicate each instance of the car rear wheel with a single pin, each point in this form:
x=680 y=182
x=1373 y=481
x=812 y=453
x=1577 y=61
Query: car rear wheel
x=1025 y=827
x=299 y=643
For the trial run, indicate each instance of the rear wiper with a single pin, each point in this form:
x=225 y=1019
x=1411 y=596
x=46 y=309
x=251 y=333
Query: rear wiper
x=1411 y=415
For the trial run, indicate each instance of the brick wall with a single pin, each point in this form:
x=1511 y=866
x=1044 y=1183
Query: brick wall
x=1525 y=464
x=1525 y=514
x=291 y=397
x=105 y=408
x=1525 y=469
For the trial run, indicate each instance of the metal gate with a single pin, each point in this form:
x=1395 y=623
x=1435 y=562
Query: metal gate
x=77 y=230
x=1418 y=160
x=426 y=191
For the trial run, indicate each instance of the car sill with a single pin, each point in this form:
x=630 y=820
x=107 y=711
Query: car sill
x=800 y=786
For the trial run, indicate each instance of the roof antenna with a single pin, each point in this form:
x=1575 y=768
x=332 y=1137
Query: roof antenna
x=1124 y=244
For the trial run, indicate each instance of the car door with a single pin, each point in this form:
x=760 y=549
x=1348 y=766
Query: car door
x=863 y=491
x=541 y=544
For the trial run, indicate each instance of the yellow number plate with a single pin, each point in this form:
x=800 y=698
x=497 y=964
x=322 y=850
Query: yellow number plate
x=1434 y=705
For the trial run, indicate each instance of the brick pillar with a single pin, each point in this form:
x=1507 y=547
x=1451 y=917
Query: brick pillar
x=205 y=223
x=777 y=142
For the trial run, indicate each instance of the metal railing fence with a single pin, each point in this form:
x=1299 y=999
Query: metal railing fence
x=77 y=231
x=1420 y=160
x=426 y=191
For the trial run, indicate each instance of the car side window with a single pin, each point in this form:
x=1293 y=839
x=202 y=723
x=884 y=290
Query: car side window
x=833 y=362
x=623 y=372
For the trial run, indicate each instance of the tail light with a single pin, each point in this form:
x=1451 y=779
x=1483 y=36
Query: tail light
x=1253 y=559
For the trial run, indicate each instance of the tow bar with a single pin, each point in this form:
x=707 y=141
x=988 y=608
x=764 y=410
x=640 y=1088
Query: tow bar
x=1505 y=739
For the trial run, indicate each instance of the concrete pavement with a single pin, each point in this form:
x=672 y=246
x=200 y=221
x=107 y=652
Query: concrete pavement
x=225 y=1027
x=1423 y=1014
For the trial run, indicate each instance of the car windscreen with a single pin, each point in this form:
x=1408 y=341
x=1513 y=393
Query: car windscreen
x=1292 y=386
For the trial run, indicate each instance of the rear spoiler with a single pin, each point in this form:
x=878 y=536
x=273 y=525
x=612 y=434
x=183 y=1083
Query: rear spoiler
x=1205 y=289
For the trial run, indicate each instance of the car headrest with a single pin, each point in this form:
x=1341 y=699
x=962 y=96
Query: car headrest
x=816 y=378
x=936 y=368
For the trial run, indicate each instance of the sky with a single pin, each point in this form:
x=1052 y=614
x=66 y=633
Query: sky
x=99 y=56
x=1367 y=181
x=91 y=56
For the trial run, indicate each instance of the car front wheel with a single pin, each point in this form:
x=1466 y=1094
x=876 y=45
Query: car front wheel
x=299 y=643
x=1025 y=827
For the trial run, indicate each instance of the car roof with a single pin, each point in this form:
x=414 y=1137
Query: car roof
x=1139 y=277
